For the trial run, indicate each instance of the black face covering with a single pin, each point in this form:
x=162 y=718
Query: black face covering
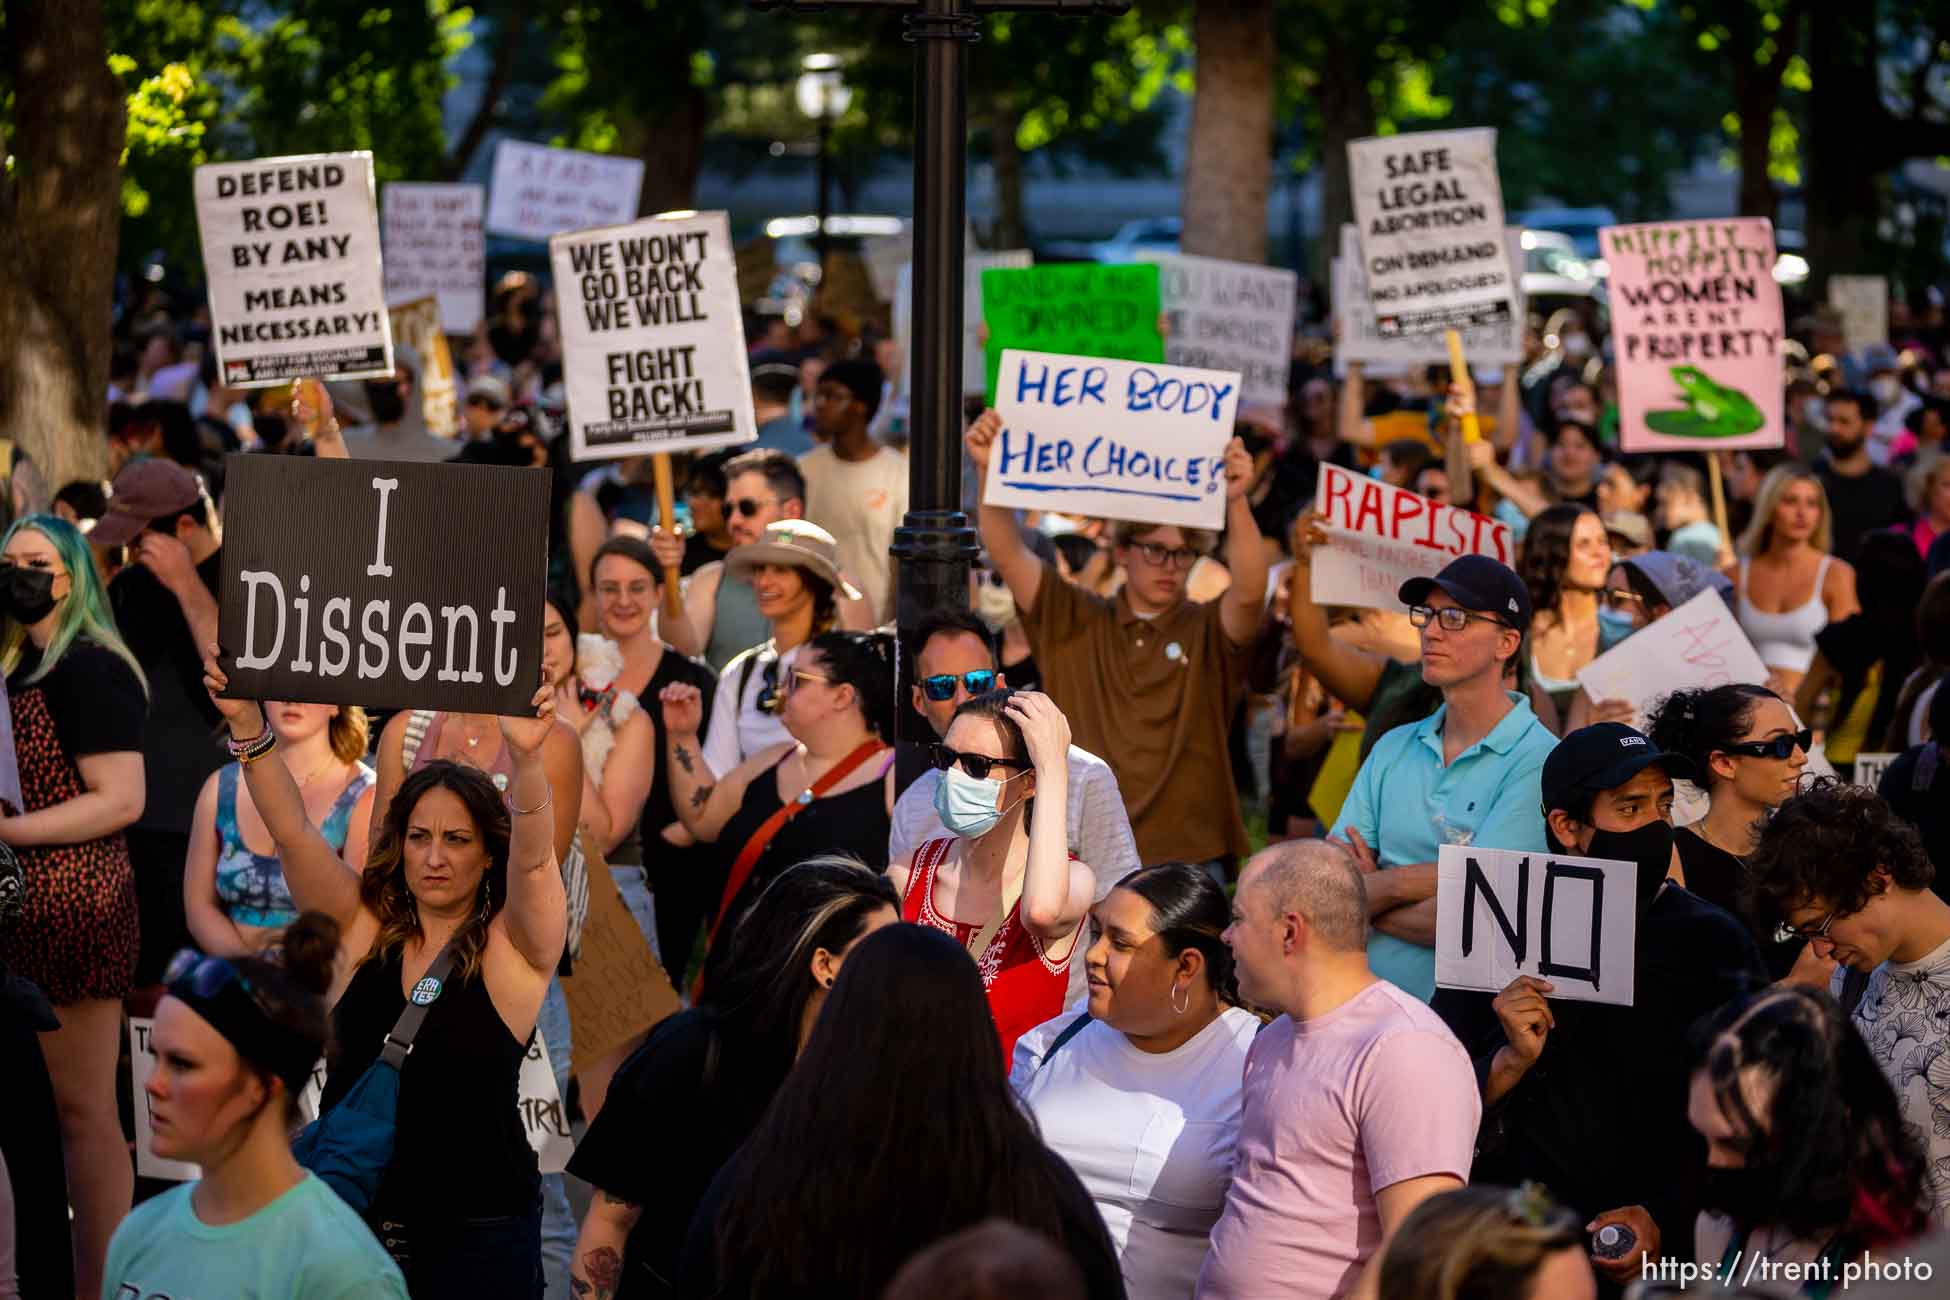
x=26 y=594
x=1744 y=1195
x=1650 y=846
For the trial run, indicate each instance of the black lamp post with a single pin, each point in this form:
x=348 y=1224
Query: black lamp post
x=935 y=543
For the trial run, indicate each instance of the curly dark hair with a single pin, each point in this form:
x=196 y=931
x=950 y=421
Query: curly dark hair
x=1825 y=846
x=1833 y=1146
x=1697 y=724
x=1547 y=554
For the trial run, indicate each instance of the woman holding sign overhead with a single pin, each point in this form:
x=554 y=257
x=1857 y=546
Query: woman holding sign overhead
x=461 y=874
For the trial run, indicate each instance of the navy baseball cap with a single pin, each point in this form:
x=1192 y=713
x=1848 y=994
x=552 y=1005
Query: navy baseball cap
x=1603 y=756
x=1476 y=582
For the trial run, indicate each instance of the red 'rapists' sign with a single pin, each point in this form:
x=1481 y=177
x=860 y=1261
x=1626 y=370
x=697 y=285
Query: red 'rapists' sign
x=1379 y=536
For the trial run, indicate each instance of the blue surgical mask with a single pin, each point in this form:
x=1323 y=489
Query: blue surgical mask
x=1613 y=627
x=968 y=807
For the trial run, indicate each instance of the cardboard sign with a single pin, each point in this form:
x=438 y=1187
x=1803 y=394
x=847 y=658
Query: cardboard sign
x=1501 y=913
x=1870 y=767
x=1697 y=329
x=1229 y=316
x=1075 y=309
x=291 y=251
x=538 y=192
x=653 y=342
x=1863 y=301
x=434 y=245
x=384 y=583
x=619 y=989
x=1700 y=644
x=974 y=367
x=1112 y=439
x=1379 y=536
x=1429 y=209
x=1359 y=337
x=416 y=325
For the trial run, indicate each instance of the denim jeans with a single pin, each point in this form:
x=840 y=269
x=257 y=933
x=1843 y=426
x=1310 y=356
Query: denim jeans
x=635 y=888
x=559 y=1227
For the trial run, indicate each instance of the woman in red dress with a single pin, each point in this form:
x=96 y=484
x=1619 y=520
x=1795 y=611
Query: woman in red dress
x=1005 y=885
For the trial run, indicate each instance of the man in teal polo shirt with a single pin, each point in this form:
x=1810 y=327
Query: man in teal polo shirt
x=1467 y=774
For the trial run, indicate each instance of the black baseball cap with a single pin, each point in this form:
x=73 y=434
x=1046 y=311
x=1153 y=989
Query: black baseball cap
x=1476 y=582
x=1603 y=756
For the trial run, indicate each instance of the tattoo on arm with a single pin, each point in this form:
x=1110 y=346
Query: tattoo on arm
x=684 y=760
x=702 y=795
x=604 y=1266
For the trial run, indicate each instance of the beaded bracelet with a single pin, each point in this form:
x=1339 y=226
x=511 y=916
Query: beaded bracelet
x=249 y=751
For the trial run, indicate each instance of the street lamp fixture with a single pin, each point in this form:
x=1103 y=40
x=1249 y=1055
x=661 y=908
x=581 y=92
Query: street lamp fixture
x=822 y=94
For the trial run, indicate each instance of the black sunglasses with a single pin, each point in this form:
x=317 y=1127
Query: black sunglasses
x=941 y=686
x=770 y=698
x=976 y=765
x=744 y=506
x=1778 y=748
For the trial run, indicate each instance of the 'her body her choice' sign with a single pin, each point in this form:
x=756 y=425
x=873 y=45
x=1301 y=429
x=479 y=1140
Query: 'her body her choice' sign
x=434 y=245
x=1083 y=309
x=537 y=192
x=1700 y=644
x=1499 y=343
x=1112 y=439
x=1229 y=316
x=652 y=339
x=291 y=250
x=1430 y=212
x=421 y=586
x=1697 y=330
x=1501 y=913
x=1379 y=536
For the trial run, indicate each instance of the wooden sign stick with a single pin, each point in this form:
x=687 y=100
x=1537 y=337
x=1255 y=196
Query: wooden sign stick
x=667 y=512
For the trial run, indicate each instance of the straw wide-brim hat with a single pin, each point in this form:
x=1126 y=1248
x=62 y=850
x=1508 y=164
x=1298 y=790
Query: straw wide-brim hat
x=796 y=543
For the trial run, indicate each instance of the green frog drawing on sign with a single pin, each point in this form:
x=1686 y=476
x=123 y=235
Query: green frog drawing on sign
x=1711 y=410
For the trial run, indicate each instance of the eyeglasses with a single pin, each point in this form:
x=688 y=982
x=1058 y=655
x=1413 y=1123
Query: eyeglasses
x=209 y=976
x=746 y=506
x=941 y=686
x=1786 y=933
x=769 y=695
x=1780 y=747
x=1453 y=618
x=794 y=677
x=1178 y=557
x=976 y=765
x=1620 y=597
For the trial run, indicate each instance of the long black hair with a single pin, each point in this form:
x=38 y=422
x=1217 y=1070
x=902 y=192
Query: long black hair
x=1190 y=910
x=1547 y=554
x=1697 y=724
x=1833 y=1148
x=901 y=1092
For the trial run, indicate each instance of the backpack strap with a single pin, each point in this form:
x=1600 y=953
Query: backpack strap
x=399 y=1042
x=1854 y=984
x=1070 y=1031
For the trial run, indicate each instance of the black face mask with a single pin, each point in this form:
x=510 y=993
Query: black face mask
x=1650 y=846
x=27 y=595
x=1744 y=1195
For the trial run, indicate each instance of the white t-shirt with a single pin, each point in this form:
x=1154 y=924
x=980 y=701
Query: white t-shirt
x=737 y=727
x=859 y=502
x=1151 y=1136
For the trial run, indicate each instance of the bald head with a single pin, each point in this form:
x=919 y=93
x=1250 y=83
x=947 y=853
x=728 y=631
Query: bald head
x=1319 y=880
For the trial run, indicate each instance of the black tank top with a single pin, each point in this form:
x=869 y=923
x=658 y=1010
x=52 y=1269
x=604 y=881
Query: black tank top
x=853 y=822
x=459 y=1148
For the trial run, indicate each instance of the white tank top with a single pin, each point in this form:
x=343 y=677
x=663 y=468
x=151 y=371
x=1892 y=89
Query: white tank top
x=1785 y=640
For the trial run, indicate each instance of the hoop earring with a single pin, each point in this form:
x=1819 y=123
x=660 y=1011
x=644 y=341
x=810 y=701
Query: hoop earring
x=1175 y=1005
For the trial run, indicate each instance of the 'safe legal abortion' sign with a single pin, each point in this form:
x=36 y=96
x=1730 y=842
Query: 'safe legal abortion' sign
x=419 y=586
x=1501 y=913
x=1112 y=439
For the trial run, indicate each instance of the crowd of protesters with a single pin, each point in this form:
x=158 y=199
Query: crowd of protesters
x=1133 y=992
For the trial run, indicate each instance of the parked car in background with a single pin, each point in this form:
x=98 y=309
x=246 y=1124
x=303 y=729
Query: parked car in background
x=1580 y=224
x=1160 y=233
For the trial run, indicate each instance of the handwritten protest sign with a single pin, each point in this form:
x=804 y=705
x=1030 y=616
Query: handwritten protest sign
x=1501 y=913
x=974 y=369
x=537 y=192
x=1229 y=316
x=424 y=592
x=1700 y=644
x=291 y=250
x=1075 y=309
x=1697 y=329
x=1870 y=767
x=1112 y=439
x=1429 y=209
x=1863 y=301
x=434 y=245
x=1359 y=336
x=416 y=325
x=652 y=337
x=618 y=989
x=1379 y=536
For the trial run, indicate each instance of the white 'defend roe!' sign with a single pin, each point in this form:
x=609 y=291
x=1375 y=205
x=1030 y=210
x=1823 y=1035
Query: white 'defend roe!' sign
x=1379 y=536
x=1229 y=316
x=1501 y=913
x=1430 y=212
x=537 y=191
x=291 y=250
x=653 y=340
x=434 y=247
x=1112 y=439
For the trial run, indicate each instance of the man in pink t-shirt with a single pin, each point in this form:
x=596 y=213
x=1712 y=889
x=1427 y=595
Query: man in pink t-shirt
x=1359 y=1103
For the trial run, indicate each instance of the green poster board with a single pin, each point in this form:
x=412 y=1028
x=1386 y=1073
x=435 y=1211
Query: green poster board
x=1084 y=309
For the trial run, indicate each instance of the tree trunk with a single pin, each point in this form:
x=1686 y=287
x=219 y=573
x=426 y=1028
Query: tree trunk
x=1011 y=224
x=1229 y=158
x=1756 y=94
x=672 y=149
x=1845 y=121
x=60 y=216
x=1346 y=113
x=507 y=41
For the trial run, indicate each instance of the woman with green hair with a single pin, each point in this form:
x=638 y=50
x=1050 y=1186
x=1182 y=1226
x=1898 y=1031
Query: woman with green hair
x=77 y=701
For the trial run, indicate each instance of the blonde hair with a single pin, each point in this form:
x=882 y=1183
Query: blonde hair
x=1476 y=1243
x=1760 y=532
x=350 y=731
